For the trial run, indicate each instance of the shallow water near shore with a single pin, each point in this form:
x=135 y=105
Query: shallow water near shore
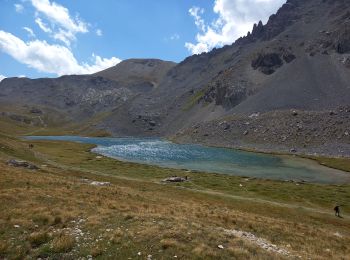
x=209 y=159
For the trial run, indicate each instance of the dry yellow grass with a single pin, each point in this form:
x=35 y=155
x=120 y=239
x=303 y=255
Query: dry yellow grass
x=52 y=213
x=185 y=224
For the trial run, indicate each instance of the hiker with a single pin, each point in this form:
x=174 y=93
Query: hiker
x=337 y=210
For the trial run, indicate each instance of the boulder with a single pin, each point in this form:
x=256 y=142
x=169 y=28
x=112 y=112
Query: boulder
x=100 y=183
x=36 y=111
x=294 y=113
x=24 y=164
x=346 y=62
x=152 y=123
x=175 y=179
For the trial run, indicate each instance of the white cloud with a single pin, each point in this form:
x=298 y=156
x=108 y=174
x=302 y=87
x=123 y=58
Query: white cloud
x=19 y=8
x=175 y=37
x=236 y=18
x=100 y=64
x=196 y=12
x=63 y=26
x=29 y=31
x=44 y=57
x=42 y=25
x=99 y=32
x=2 y=77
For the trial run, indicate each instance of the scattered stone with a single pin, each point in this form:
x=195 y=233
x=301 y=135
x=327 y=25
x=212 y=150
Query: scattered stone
x=16 y=226
x=337 y=234
x=96 y=183
x=175 y=179
x=24 y=164
x=293 y=150
x=221 y=246
x=149 y=257
x=254 y=115
x=294 y=113
x=246 y=132
x=100 y=183
x=99 y=157
x=152 y=123
x=262 y=243
x=139 y=253
x=36 y=111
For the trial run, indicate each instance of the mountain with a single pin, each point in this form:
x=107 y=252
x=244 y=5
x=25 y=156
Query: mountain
x=298 y=61
x=138 y=72
x=79 y=98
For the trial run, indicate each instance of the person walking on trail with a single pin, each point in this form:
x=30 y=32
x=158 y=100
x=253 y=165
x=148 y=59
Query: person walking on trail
x=337 y=210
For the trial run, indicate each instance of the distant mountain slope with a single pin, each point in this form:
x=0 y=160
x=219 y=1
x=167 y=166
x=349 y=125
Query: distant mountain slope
x=138 y=71
x=81 y=97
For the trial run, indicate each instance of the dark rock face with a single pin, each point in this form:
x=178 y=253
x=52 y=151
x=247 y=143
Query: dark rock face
x=227 y=96
x=289 y=57
x=267 y=63
x=342 y=42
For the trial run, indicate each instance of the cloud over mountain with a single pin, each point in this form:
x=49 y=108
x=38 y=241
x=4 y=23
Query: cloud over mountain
x=50 y=58
x=235 y=19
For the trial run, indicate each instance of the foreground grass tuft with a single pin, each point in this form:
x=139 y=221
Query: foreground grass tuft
x=38 y=238
x=63 y=244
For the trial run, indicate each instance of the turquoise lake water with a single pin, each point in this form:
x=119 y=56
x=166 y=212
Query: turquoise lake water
x=208 y=159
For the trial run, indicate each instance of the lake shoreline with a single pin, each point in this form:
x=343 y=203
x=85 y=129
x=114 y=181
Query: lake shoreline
x=293 y=168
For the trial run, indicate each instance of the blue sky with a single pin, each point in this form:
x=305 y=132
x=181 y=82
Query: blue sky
x=45 y=38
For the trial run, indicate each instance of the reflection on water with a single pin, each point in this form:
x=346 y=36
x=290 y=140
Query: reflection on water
x=208 y=159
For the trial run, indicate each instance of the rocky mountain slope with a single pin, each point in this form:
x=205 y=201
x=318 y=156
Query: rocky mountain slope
x=299 y=60
x=79 y=98
x=144 y=74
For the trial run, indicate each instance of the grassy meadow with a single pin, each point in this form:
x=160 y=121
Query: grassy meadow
x=56 y=213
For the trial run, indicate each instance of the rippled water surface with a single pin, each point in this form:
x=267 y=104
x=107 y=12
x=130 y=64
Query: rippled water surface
x=201 y=158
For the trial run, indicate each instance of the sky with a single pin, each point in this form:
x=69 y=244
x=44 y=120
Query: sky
x=46 y=38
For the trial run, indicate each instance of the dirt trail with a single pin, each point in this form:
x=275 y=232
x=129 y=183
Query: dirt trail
x=269 y=202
